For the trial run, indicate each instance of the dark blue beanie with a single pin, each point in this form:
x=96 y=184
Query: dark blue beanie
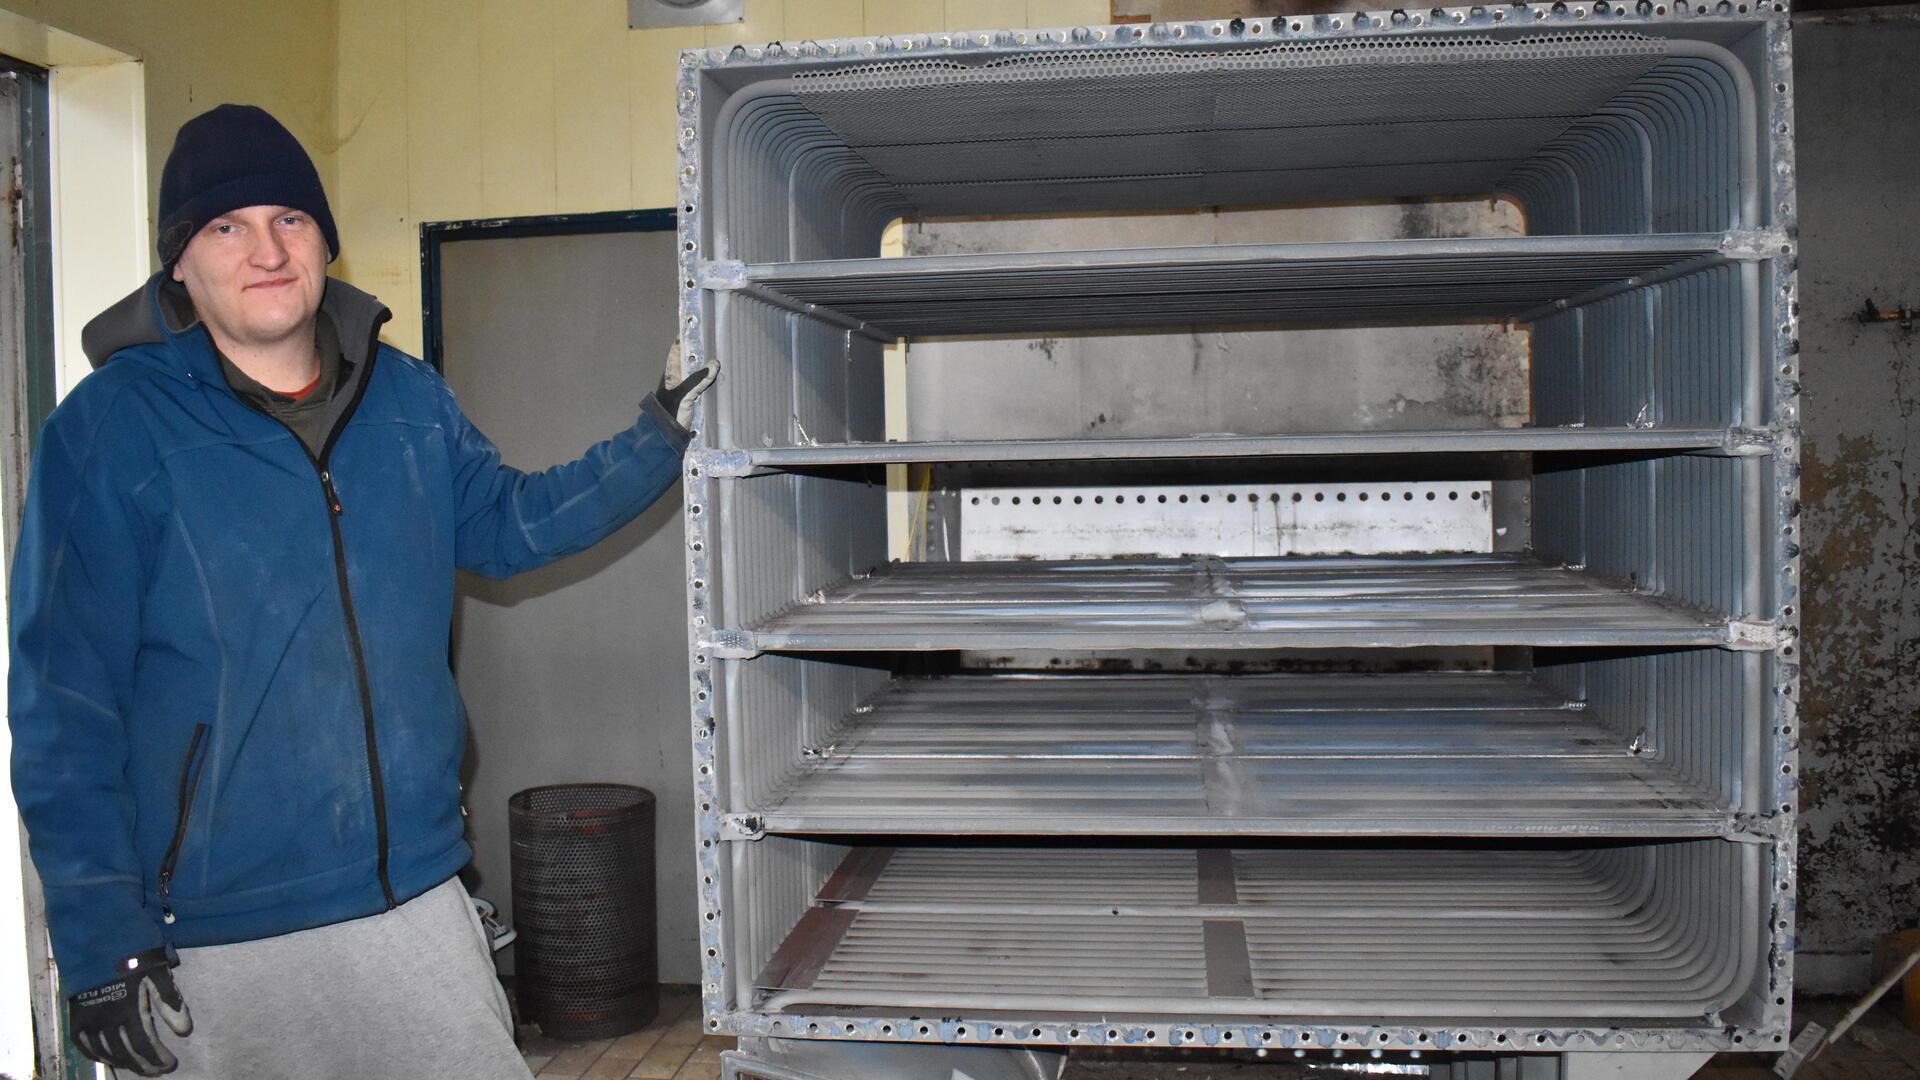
x=229 y=157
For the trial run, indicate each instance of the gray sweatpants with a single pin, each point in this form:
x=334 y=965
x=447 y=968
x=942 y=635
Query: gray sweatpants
x=407 y=993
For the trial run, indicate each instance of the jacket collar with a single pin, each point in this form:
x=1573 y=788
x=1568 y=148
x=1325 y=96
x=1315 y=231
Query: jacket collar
x=159 y=313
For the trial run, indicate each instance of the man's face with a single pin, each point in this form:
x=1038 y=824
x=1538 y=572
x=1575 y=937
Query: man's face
x=256 y=274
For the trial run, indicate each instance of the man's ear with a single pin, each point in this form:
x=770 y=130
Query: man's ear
x=177 y=275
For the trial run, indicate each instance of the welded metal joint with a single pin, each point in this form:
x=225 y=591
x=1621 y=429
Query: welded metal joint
x=1755 y=245
x=742 y=827
x=725 y=464
x=1749 y=635
x=721 y=275
x=731 y=645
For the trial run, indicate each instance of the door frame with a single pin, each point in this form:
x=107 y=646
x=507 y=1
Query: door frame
x=434 y=234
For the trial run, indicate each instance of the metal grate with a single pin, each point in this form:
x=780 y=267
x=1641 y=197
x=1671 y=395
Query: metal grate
x=1487 y=278
x=1409 y=755
x=752 y=461
x=1612 y=933
x=1290 y=602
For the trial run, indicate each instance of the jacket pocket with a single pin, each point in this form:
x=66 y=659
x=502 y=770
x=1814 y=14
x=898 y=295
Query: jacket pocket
x=190 y=765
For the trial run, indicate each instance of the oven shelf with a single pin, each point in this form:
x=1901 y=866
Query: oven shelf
x=1472 y=754
x=1233 y=603
x=1228 y=284
x=1267 y=933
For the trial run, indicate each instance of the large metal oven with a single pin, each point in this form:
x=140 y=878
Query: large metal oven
x=1056 y=785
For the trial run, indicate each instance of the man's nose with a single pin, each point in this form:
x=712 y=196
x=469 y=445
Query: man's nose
x=269 y=250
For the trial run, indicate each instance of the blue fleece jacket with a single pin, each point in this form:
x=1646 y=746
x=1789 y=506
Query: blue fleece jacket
x=231 y=707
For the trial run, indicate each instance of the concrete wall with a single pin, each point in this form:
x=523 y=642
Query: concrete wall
x=1859 y=157
x=450 y=109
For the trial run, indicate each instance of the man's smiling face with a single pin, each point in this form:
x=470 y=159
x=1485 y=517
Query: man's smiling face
x=256 y=275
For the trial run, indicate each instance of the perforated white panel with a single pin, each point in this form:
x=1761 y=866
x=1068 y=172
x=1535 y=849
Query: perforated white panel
x=1171 y=521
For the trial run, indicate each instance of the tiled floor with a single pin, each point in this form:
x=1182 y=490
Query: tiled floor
x=672 y=1048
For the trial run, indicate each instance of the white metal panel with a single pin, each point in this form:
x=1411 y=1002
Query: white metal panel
x=1172 y=521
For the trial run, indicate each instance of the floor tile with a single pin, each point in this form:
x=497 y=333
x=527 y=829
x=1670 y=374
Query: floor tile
x=576 y=1058
x=673 y=1049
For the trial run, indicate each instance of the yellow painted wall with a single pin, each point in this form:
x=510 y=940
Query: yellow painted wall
x=452 y=109
x=278 y=54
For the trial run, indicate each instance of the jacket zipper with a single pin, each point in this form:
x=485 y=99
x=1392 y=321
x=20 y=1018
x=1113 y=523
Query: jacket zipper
x=190 y=767
x=354 y=647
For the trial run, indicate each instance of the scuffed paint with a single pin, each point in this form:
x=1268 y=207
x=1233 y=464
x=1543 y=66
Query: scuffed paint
x=1861 y=775
x=1860 y=761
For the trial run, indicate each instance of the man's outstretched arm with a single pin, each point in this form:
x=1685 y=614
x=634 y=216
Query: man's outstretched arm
x=510 y=521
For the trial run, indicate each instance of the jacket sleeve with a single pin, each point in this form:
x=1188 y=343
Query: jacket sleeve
x=508 y=521
x=74 y=621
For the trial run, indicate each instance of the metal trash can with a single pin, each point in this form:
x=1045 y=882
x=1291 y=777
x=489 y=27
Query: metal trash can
x=587 y=963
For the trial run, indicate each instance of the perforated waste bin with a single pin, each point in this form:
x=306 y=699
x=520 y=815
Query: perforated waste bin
x=586 y=961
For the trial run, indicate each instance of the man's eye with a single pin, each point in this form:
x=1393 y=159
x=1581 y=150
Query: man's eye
x=292 y=219
x=223 y=230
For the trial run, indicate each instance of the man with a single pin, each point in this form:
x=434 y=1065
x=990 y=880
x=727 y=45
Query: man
x=236 y=737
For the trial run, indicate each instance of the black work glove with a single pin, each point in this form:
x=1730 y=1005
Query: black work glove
x=113 y=1024
x=678 y=398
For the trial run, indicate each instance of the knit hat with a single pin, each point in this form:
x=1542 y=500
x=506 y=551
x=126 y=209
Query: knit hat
x=233 y=156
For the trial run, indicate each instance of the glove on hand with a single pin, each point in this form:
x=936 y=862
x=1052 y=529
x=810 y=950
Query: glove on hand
x=678 y=398
x=113 y=1024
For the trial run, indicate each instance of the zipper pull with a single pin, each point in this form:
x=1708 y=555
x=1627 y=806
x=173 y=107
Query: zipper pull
x=166 y=910
x=333 y=497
